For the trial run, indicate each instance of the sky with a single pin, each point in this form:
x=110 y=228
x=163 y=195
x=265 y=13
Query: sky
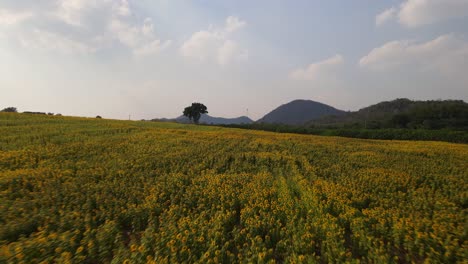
x=151 y=58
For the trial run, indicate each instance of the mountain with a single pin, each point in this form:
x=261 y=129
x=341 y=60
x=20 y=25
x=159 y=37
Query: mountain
x=210 y=120
x=402 y=113
x=298 y=112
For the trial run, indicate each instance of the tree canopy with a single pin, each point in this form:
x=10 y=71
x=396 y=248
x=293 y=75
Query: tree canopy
x=195 y=111
x=10 y=110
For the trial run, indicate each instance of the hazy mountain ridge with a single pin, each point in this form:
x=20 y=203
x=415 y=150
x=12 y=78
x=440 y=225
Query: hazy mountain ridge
x=398 y=113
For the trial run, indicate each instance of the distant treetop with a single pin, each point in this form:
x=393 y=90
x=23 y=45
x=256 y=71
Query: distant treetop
x=195 y=111
x=10 y=110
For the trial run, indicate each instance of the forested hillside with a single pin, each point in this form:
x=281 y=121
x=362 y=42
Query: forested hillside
x=403 y=113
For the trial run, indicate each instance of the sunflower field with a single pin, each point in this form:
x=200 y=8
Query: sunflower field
x=78 y=190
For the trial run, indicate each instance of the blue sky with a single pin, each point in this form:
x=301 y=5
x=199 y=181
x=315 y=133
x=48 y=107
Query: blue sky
x=150 y=58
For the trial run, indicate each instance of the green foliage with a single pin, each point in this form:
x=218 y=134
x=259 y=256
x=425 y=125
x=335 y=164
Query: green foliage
x=10 y=110
x=79 y=190
x=400 y=120
x=373 y=132
x=195 y=111
x=34 y=113
x=403 y=113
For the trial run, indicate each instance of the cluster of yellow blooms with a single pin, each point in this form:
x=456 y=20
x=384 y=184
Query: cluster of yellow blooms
x=76 y=190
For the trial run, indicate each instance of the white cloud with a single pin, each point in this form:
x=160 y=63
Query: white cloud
x=234 y=23
x=123 y=8
x=8 y=17
x=124 y=33
x=416 y=13
x=91 y=26
x=148 y=27
x=72 y=11
x=447 y=54
x=390 y=55
x=385 y=16
x=216 y=45
x=230 y=51
x=43 y=40
x=318 y=69
x=201 y=45
x=141 y=40
x=152 y=48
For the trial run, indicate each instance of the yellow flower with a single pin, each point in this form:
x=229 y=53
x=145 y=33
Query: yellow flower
x=141 y=248
x=133 y=248
x=79 y=249
x=20 y=255
x=18 y=249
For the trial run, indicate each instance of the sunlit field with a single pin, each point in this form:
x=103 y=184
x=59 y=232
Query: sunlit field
x=76 y=190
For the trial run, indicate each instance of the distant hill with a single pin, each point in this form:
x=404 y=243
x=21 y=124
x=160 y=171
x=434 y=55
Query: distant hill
x=207 y=119
x=298 y=112
x=403 y=113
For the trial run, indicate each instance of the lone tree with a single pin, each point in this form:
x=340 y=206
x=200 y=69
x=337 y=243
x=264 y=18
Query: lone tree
x=195 y=111
x=10 y=110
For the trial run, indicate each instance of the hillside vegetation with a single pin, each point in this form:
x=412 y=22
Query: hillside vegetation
x=447 y=135
x=400 y=119
x=402 y=113
x=77 y=190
